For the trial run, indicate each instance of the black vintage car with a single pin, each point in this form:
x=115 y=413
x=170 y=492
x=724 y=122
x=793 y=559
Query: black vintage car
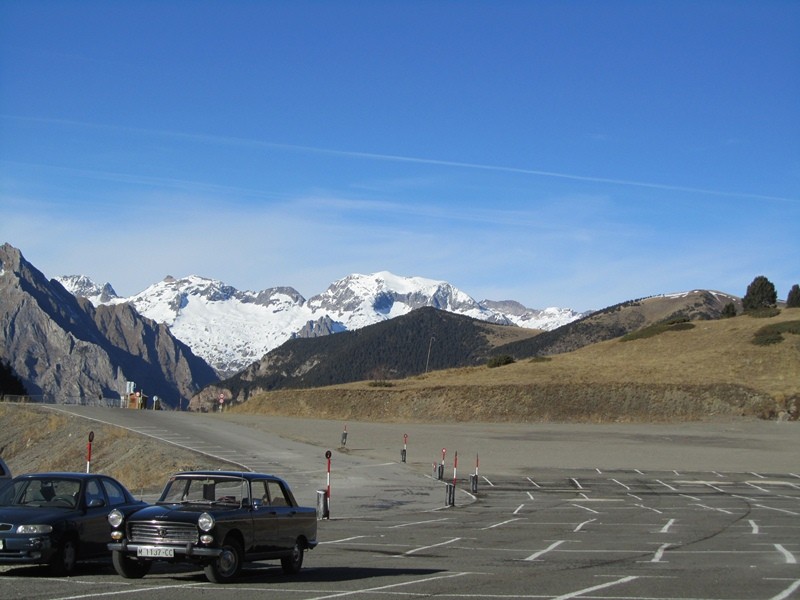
x=59 y=518
x=218 y=519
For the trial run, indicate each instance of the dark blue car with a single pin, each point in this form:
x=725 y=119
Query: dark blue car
x=58 y=519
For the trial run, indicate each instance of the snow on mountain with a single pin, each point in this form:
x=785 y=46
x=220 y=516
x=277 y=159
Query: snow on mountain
x=80 y=285
x=231 y=329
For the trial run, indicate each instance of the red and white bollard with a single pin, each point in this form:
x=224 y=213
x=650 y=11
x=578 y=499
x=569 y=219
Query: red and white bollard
x=89 y=451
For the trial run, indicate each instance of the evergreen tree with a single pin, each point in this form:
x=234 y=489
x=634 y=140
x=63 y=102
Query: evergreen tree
x=729 y=311
x=793 y=299
x=760 y=294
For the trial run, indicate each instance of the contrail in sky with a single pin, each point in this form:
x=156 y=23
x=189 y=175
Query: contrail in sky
x=408 y=159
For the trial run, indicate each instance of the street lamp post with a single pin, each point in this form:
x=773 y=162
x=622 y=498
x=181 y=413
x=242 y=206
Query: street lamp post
x=428 y=361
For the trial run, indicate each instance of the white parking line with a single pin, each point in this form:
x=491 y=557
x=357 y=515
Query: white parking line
x=660 y=553
x=500 y=523
x=754 y=525
x=667 y=485
x=388 y=587
x=418 y=523
x=788 y=512
x=665 y=528
x=790 y=559
x=602 y=586
x=620 y=483
x=519 y=508
x=350 y=539
x=727 y=512
x=586 y=508
x=787 y=593
x=552 y=546
x=533 y=482
x=415 y=550
x=580 y=525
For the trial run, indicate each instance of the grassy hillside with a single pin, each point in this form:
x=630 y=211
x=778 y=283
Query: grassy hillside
x=34 y=438
x=706 y=369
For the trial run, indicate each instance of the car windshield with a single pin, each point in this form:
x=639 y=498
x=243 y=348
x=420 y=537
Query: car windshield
x=49 y=492
x=205 y=490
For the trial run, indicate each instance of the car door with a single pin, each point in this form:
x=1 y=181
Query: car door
x=281 y=507
x=265 y=519
x=93 y=522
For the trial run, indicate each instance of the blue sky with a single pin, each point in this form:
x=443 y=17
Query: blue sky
x=568 y=153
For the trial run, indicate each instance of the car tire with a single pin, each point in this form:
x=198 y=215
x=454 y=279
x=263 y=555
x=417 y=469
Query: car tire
x=294 y=562
x=129 y=568
x=66 y=556
x=227 y=566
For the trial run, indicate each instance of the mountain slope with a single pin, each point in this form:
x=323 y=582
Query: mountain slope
x=615 y=321
x=395 y=349
x=425 y=339
x=231 y=329
x=66 y=350
x=711 y=370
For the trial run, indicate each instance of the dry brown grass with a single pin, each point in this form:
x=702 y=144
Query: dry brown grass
x=35 y=439
x=711 y=370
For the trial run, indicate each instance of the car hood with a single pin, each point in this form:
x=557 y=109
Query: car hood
x=176 y=512
x=25 y=515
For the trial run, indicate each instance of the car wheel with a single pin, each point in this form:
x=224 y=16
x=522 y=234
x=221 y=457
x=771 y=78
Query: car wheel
x=129 y=568
x=66 y=556
x=226 y=566
x=294 y=562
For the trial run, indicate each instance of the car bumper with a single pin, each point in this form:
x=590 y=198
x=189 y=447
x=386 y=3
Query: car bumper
x=184 y=551
x=26 y=550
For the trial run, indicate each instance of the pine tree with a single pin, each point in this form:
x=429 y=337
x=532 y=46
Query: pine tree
x=760 y=294
x=729 y=311
x=793 y=299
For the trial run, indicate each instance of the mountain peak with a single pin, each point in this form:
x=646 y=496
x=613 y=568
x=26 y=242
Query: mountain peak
x=231 y=329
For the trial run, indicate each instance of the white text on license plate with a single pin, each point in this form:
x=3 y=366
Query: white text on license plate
x=151 y=552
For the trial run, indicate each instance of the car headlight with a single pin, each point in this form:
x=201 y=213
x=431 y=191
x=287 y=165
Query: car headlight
x=115 y=518
x=34 y=529
x=205 y=522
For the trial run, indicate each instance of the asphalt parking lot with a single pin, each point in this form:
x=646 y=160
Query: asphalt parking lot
x=543 y=532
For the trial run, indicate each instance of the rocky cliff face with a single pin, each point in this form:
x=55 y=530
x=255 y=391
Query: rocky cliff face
x=66 y=350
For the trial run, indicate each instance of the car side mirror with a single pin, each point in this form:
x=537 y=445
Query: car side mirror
x=96 y=503
x=256 y=503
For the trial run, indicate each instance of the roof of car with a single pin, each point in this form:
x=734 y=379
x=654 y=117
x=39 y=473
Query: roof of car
x=70 y=474
x=240 y=474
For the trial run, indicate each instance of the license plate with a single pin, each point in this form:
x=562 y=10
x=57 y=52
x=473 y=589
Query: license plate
x=150 y=552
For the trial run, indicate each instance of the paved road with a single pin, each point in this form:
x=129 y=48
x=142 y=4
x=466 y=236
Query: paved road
x=700 y=529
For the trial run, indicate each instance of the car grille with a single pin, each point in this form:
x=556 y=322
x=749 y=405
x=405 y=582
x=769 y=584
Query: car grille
x=163 y=533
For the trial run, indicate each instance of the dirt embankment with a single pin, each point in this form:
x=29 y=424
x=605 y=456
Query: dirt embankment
x=605 y=403
x=35 y=439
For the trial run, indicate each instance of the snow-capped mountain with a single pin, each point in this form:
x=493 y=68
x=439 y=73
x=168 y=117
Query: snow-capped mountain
x=80 y=285
x=231 y=329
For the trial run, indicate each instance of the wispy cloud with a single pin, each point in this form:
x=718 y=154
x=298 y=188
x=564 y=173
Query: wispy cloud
x=254 y=143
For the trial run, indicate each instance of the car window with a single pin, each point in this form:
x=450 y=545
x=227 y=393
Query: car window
x=276 y=495
x=260 y=492
x=94 y=492
x=116 y=495
x=204 y=491
x=230 y=491
x=43 y=492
